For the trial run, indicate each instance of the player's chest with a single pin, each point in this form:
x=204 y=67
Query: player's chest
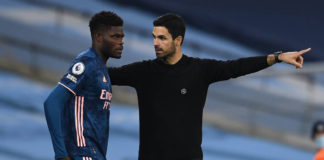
x=98 y=84
x=98 y=92
x=175 y=84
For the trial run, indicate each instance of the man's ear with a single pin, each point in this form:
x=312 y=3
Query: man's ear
x=178 y=40
x=98 y=37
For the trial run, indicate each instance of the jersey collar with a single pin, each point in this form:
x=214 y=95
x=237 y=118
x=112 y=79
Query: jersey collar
x=99 y=59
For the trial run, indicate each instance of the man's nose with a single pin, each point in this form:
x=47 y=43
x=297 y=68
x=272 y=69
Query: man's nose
x=155 y=42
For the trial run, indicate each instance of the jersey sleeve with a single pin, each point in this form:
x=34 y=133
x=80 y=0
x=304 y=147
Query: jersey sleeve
x=53 y=108
x=76 y=76
x=215 y=70
x=127 y=75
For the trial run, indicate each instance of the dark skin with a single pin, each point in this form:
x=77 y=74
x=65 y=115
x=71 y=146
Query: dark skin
x=108 y=43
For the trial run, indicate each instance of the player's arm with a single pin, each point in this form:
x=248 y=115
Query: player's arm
x=216 y=70
x=293 y=58
x=222 y=70
x=54 y=106
x=126 y=75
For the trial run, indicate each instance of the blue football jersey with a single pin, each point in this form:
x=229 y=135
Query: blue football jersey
x=86 y=117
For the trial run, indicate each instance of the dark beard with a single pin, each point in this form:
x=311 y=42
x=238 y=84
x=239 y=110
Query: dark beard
x=169 y=54
x=165 y=57
x=105 y=50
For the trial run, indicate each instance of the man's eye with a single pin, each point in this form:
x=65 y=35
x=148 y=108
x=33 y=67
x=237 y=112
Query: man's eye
x=119 y=36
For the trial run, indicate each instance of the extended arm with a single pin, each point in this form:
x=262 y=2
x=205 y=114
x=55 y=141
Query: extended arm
x=293 y=58
x=54 y=106
x=127 y=75
x=222 y=70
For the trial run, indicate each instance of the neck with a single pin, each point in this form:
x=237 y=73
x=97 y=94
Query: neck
x=174 y=58
x=100 y=54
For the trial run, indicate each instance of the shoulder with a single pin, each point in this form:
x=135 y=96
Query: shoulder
x=84 y=62
x=191 y=59
x=86 y=56
x=135 y=65
x=198 y=60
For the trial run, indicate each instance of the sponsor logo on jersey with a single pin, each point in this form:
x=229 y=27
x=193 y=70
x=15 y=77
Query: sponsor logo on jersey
x=72 y=78
x=105 y=95
x=78 y=68
x=106 y=105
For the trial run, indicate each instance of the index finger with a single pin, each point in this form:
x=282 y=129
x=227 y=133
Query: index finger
x=304 y=51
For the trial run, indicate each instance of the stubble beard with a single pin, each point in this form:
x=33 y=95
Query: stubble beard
x=108 y=52
x=169 y=53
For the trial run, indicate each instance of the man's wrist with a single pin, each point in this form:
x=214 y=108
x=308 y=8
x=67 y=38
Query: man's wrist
x=276 y=55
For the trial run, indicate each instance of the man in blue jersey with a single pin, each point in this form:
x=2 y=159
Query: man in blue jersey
x=77 y=110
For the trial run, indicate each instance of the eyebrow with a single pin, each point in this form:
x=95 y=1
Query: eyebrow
x=118 y=34
x=161 y=36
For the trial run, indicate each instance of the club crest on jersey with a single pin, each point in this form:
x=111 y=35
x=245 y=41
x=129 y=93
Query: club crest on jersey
x=78 y=68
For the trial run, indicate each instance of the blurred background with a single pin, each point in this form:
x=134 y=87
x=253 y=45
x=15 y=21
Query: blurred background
x=263 y=116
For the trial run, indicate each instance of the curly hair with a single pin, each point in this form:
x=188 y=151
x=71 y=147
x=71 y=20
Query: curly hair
x=103 y=20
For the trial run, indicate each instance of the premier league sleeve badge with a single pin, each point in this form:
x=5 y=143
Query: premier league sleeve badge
x=78 y=68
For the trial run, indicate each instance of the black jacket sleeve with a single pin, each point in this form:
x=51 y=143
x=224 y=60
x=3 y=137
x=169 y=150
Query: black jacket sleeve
x=127 y=75
x=215 y=70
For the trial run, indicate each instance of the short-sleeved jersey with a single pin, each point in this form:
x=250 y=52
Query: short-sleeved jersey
x=86 y=116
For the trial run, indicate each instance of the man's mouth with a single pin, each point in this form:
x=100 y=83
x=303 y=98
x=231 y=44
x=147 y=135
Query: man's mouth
x=158 y=50
x=119 y=50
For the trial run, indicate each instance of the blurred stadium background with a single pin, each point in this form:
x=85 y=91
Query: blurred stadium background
x=264 y=116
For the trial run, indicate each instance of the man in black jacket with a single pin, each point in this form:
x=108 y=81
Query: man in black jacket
x=172 y=90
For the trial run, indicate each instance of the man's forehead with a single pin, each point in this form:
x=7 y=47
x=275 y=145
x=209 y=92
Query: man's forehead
x=160 y=30
x=116 y=29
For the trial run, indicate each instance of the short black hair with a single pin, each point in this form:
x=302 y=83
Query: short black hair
x=174 y=23
x=103 y=20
